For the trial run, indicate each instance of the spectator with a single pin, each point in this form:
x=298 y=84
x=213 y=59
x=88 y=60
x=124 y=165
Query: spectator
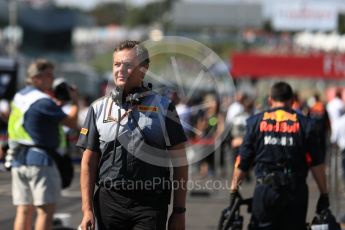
x=34 y=132
x=335 y=109
x=4 y=114
x=317 y=111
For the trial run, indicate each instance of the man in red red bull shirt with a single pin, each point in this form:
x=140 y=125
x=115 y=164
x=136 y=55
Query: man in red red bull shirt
x=279 y=141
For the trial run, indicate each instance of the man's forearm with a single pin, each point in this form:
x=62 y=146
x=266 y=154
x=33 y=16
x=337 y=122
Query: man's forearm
x=88 y=174
x=238 y=176
x=180 y=193
x=180 y=174
x=177 y=218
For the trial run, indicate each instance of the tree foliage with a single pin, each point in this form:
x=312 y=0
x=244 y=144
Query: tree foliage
x=145 y=15
x=109 y=13
x=125 y=14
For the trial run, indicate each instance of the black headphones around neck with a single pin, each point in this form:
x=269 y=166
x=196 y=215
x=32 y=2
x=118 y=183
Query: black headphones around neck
x=116 y=95
x=135 y=97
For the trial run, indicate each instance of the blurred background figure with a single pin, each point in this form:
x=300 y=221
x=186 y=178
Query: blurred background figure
x=236 y=106
x=84 y=104
x=335 y=109
x=238 y=125
x=211 y=123
x=296 y=104
x=316 y=110
x=184 y=112
x=34 y=132
x=4 y=115
x=61 y=93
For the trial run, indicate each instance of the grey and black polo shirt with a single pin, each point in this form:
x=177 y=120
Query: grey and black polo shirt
x=143 y=134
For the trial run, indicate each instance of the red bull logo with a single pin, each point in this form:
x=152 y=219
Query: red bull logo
x=279 y=116
x=279 y=127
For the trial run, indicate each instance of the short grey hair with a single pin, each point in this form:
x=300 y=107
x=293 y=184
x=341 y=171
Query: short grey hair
x=140 y=50
x=38 y=67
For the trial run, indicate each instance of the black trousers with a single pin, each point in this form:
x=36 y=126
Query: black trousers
x=115 y=211
x=280 y=209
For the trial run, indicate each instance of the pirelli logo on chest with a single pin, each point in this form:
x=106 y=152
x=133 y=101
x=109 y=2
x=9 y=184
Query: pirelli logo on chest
x=84 y=131
x=144 y=108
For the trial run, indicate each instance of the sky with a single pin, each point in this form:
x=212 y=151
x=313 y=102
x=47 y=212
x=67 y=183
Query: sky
x=89 y=4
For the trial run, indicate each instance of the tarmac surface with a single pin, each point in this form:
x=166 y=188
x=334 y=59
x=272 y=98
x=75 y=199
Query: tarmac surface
x=204 y=205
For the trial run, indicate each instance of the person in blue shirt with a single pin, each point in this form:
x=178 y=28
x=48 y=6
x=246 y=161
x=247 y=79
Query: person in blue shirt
x=34 y=129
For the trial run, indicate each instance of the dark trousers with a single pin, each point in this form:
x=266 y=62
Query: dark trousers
x=281 y=209
x=115 y=211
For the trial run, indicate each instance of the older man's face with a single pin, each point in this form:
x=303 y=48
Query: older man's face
x=126 y=70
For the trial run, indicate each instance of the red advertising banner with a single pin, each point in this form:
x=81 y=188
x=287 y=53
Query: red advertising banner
x=254 y=65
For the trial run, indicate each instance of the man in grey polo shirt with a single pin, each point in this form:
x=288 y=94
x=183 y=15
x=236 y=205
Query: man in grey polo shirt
x=130 y=138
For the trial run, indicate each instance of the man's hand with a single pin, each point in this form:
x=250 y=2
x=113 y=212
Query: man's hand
x=88 y=222
x=322 y=203
x=177 y=221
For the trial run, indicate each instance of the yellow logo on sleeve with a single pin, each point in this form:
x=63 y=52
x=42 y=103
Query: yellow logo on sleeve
x=84 y=131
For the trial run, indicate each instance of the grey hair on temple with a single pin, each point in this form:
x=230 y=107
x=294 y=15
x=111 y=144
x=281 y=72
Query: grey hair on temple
x=141 y=51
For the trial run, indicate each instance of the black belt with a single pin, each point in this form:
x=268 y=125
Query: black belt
x=153 y=200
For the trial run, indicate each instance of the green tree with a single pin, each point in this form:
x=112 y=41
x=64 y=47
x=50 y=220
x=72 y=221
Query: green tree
x=126 y=14
x=145 y=15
